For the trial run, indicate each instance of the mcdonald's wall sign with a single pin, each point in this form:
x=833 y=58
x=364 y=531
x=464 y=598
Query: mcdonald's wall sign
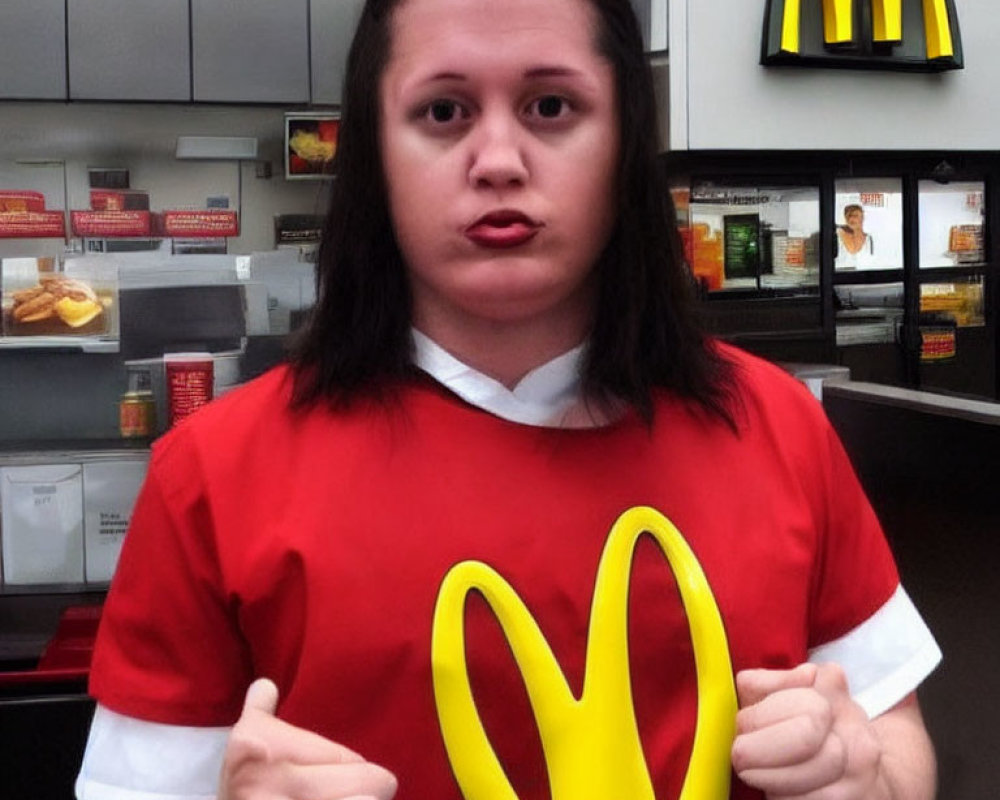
x=910 y=35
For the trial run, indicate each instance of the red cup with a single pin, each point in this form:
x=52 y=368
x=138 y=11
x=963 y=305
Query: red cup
x=189 y=379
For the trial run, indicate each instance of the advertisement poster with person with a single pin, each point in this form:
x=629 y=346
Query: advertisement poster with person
x=869 y=224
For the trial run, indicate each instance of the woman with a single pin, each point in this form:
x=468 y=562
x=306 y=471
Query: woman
x=502 y=363
x=855 y=248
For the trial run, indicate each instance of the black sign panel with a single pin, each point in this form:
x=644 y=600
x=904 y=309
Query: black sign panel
x=912 y=35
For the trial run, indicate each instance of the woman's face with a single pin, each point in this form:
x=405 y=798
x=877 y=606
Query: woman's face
x=499 y=137
x=855 y=220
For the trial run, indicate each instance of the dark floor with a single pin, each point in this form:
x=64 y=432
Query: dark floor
x=936 y=485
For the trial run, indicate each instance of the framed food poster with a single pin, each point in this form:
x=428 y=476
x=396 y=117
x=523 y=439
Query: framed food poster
x=310 y=144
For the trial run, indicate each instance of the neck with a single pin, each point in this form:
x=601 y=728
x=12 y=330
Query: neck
x=853 y=239
x=504 y=351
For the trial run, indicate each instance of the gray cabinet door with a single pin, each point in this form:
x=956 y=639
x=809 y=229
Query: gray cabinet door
x=33 y=49
x=333 y=23
x=250 y=51
x=129 y=50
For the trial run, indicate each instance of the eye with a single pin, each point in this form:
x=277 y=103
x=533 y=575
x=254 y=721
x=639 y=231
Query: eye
x=443 y=111
x=550 y=106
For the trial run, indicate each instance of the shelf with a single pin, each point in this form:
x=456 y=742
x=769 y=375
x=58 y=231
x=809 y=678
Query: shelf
x=35 y=451
x=59 y=344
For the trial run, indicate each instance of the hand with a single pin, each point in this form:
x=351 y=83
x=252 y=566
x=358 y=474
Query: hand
x=800 y=735
x=268 y=758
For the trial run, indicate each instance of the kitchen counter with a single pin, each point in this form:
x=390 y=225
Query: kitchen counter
x=980 y=411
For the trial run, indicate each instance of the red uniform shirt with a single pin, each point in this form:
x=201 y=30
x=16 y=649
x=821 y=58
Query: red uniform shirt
x=310 y=547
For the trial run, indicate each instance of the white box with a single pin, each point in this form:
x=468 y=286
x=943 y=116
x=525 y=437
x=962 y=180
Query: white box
x=109 y=492
x=42 y=524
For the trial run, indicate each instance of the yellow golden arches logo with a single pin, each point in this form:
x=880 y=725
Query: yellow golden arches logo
x=918 y=35
x=591 y=743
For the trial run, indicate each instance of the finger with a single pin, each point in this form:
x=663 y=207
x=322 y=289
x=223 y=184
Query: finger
x=262 y=735
x=360 y=797
x=262 y=695
x=753 y=685
x=244 y=750
x=248 y=741
x=831 y=681
x=368 y=797
x=799 y=780
x=303 y=747
x=784 y=705
x=338 y=781
x=795 y=734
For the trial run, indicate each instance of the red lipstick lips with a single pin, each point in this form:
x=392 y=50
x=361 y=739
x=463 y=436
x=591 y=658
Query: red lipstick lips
x=502 y=229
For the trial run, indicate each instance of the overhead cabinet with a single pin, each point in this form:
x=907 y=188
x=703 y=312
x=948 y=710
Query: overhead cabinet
x=135 y=50
x=332 y=26
x=250 y=51
x=32 y=49
x=209 y=51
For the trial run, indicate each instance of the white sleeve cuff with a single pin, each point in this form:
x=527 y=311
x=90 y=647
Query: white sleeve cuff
x=886 y=657
x=132 y=759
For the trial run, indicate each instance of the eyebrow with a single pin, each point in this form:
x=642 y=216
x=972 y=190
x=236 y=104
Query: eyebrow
x=552 y=72
x=534 y=72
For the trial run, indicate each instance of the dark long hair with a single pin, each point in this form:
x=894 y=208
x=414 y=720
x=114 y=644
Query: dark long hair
x=645 y=333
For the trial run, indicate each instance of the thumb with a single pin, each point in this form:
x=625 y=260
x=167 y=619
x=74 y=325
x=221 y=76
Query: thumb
x=753 y=685
x=262 y=695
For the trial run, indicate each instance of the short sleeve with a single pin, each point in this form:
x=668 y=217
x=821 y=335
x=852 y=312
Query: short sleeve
x=861 y=618
x=855 y=573
x=132 y=759
x=168 y=648
x=886 y=657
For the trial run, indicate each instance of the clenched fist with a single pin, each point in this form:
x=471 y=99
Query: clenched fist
x=800 y=736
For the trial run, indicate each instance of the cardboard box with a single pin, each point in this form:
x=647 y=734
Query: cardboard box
x=214 y=222
x=32 y=224
x=111 y=223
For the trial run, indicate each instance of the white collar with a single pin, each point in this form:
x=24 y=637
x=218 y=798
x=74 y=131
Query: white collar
x=549 y=396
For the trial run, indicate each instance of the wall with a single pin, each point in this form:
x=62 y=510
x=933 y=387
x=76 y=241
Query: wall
x=721 y=98
x=143 y=137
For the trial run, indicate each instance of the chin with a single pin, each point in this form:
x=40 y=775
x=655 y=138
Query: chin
x=506 y=290
x=530 y=303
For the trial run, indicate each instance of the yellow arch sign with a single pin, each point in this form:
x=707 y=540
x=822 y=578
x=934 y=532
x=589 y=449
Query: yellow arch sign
x=591 y=744
x=789 y=37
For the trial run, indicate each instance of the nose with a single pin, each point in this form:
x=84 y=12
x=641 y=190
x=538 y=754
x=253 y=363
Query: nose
x=497 y=159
